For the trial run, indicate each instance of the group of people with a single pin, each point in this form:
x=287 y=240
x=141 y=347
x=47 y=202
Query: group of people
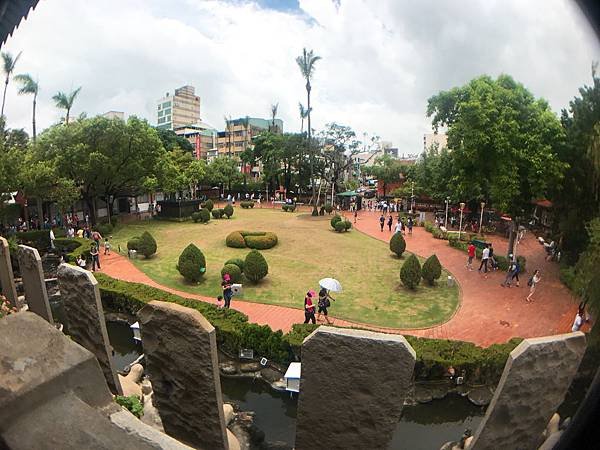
x=384 y=206
x=401 y=224
x=323 y=303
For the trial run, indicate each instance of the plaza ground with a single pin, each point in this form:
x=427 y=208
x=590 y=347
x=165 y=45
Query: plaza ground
x=308 y=250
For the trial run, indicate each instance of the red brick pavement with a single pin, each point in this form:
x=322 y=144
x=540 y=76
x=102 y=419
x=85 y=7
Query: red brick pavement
x=488 y=313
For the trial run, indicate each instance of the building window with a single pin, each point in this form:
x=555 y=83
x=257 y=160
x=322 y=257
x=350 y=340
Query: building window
x=166 y=104
x=160 y=113
x=168 y=111
x=169 y=118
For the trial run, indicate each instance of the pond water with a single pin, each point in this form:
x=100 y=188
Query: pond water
x=422 y=427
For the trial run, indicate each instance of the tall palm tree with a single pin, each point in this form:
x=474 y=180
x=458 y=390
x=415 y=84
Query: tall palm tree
x=306 y=63
x=229 y=133
x=303 y=115
x=8 y=64
x=273 y=115
x=28 y=86
x=65 y=101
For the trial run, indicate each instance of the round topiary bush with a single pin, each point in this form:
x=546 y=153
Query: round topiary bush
x=237 y=261
x=192 y=264
x=133 y=243
x=340 y=226
x=335 y=219
x=315 y=211
x=432 y=270
x=347 y=225
x=255 y=266
x=397 y=244
x=196 y=216
x=228 y=210
x=328 y=208
x=234 y=272
x=262 y=242
x=146 y=245
x=235 y=240
x=216 y=213
x=247 y=204
x=204 y=215
x=208 y=204
x=410 y=273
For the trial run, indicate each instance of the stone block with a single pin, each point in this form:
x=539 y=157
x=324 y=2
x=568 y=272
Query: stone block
x=536 y=377
x=7 y=279
x=181 y=361
x=84 y=316
x=352 y=388
x=36 y=296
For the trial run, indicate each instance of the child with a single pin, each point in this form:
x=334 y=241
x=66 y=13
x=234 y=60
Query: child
x=106 y=246
x=220 y=302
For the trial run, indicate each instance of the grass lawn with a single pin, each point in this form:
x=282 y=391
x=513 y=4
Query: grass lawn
x=308 y=250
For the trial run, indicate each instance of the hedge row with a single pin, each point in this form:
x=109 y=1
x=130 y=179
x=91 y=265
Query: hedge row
x=247 y=204
x=288 y=208
x=259 y=240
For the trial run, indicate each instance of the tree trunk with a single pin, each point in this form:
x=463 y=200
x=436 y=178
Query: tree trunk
x=67 y=117
x=310 y=154
x=108 y=206
x=4 y=97
x=40 y=209
x=33 y=119
x=514 y=226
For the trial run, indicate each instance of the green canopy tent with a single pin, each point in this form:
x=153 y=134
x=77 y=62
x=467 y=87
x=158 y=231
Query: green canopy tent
x=345 y=199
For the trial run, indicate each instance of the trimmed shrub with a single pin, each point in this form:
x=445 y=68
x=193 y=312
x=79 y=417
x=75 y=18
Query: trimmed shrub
x=410 y=273
x=234 y=272
x=216 y=213
x=235 y=240
x=237 y=261
x=192 y=264
x=322 y=211
x=204 y=215
x=146 y=245
x=335 y=219
x=208 y=204
x=347 y=225
x=328 y=208
x=255 y=266
x=264 y=242
x=340 y=226
x=315 y=211
x=431 y=270
x=397 y=244
x=288 y=208
x=196 y=216
x=133 y=243
x=247 y=204
x=228 y=210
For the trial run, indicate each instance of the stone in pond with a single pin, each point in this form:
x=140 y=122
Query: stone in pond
x=480 y=396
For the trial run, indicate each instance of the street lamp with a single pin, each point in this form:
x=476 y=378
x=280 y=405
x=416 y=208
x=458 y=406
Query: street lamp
x=446 y=221
x=462 y=206
x=481 y=217
x=412 y=197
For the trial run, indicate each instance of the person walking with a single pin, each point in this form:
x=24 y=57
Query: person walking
x=409 y=225
x=309 y=308
x=382 y=222
x=510 y=273
x=398 y=228
x=95 y=257
x=491 y=259
x=390 y=221
x=96 y=237
x=532 y=283
x=227 y=293
x=485 y=254
x=517 y=271
x=52 y=238
x=106 y=246
x=580 y=318
x=324 y=303
x=355 y=215
x=471 y=253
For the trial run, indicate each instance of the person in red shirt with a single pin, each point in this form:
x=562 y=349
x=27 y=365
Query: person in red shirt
x=309 y=308
x=471 y=253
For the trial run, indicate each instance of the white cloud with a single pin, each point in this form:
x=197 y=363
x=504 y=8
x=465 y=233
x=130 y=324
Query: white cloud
x=381 y=59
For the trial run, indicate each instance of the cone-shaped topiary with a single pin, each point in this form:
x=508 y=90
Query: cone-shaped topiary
x=204 y=215
x=146 y=245
x=315 y=211
x=133 y=243
x=208 y=204
x=228 y=210
x=397 y=244
x=237 y=261
x=192 y=264
x=432 y=270
x=234 y=272
x=335 y=219
x=410 y=273
x=255 y=266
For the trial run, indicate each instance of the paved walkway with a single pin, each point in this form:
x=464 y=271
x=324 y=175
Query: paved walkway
x=488 y=313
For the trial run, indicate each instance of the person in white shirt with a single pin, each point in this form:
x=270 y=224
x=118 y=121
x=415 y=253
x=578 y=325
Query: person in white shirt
x=485 y=255
x=399 y=226
x=52 y=238
x=579 y=318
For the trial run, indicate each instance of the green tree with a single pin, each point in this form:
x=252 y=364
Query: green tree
x=255 y=266
x=306 y=62
x=431 y=270
x=146 y=245
x=29 y=87
x=65 y=101
x=397 y=244
x=223 y=170
x=387 y=170
x=303 y=115
x=171 y=140
x=192 y=264
x=503 y=141
x=410 y=273
x=8 y=65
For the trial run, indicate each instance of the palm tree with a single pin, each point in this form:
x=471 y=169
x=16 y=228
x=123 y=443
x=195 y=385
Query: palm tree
x=273 y=115
x=306 y=63
x=303 y=115
x=8 y=64
x=28 y=86
x=65 y=101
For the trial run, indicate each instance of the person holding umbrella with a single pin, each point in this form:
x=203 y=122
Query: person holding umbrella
x=324 y=303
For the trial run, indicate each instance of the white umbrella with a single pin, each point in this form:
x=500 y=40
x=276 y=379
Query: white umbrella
x=331 y=284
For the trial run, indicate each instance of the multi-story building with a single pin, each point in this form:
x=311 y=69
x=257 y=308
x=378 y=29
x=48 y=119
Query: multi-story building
x=238 y=133
x=439 y=139
x=178 y=110
x=114 y=115
x=202 y=136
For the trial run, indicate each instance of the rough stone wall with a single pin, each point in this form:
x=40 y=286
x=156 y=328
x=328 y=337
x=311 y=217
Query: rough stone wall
x=7 y=279
x=181 y=356
x=32 y=273
x=534 y=382
x=85 y=318
x=352 y=388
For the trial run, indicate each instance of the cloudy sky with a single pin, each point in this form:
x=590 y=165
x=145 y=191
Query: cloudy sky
x=382 y=59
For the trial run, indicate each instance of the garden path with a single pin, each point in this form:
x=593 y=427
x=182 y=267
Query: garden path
x=488 y=313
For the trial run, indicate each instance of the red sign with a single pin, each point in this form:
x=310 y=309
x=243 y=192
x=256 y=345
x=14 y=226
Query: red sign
x=197 y=146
